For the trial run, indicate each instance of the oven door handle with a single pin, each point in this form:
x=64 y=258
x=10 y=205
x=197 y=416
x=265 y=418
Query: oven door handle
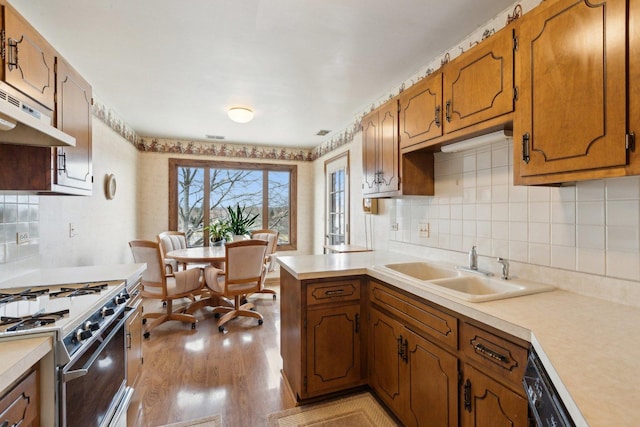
x=72 y=375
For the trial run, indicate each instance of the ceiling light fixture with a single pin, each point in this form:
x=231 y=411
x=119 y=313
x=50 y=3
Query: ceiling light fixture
x=240 y=114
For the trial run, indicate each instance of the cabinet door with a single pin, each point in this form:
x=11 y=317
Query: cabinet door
x=333 y=349
x=73 y=116
x=421 y=111
x=478 y=85
x=369 y=149
x=388 y=151
x=634 y=74
x=134 y=345
x=29 y=60
x=570 y=69
x=386 y=365
x=432 y=384
x=487 y=403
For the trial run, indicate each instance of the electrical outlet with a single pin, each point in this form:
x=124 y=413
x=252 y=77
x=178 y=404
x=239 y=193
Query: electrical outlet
x=394 y=226
x=22 y=237
x=423 y=229
x=72 y=230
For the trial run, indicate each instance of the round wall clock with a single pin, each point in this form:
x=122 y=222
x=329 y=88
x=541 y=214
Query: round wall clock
x=110 y=186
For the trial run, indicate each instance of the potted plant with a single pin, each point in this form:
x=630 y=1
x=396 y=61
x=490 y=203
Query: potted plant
x=240 y=221
x=219 y=231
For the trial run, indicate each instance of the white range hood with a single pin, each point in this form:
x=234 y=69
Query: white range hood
x=21 y=124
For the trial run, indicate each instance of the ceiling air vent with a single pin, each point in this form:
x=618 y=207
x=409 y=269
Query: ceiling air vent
x=323 y=132
x=215 y=137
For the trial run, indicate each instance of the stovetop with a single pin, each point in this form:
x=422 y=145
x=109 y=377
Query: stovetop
x=58 y=307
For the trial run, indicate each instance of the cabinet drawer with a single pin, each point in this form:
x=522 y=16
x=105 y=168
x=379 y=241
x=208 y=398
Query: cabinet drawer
x=496 y=354
x=433 y=322
x=330 y=292
x=21 y=405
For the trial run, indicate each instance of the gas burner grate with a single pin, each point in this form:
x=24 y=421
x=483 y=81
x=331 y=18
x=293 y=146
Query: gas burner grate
x=26 y=294
x=31 y=321
x=84 y=290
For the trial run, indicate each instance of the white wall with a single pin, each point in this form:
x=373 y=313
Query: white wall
x=103 y=227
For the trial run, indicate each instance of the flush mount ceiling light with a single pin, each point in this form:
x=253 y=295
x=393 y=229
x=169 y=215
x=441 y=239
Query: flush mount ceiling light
x=240 y=114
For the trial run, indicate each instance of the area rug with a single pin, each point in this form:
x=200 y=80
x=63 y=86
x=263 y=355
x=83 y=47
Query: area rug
x=361 y=410
x=212 y=421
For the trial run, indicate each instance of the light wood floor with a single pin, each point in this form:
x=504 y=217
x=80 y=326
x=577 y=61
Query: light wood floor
x=189 y=374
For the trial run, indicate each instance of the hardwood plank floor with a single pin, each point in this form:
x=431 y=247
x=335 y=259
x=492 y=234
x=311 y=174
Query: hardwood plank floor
x=189 y=374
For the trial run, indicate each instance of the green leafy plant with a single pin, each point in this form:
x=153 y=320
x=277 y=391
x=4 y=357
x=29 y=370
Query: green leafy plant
x=219 y=230
x=240 y=220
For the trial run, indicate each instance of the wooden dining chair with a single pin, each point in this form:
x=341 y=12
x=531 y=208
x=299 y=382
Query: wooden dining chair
x=170 y=241
x=160 y=282
x=245 y=271
x=271 y=237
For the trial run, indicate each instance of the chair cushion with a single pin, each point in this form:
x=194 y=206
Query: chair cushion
x=184 y=281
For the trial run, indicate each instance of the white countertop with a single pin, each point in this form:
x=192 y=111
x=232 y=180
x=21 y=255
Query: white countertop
x=68 y=275
x=589 y=346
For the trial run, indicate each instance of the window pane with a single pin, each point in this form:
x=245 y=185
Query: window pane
x=278 y=204
x=190 y=203
x=232 y=187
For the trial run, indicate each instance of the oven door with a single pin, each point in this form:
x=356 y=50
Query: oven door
x=94 y=383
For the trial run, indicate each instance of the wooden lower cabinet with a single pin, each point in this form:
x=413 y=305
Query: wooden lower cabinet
x=487 y=403
x=416 y=379
x=333 y=348
x=321 y=335
x=133 y=331
x=21 y=405
x=429 y=365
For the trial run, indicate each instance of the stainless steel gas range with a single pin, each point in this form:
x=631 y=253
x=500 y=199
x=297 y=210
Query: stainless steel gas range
x=86 y=322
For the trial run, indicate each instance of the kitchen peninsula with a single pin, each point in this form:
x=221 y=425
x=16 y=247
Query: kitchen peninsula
x=581 y=343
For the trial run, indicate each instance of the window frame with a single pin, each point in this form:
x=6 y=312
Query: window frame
x=175 y=163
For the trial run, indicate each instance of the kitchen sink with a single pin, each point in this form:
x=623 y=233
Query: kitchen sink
x=462 y=285
x=421 y=270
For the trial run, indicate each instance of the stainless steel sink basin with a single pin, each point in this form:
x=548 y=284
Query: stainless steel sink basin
x=464 y=286
x=422 y=270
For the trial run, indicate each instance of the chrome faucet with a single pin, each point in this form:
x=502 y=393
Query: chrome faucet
x=505 y=268
x=473 y=259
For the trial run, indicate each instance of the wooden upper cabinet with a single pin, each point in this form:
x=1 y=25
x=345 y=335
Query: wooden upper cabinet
x=571 y=75
x=478 y=85
x=28 y=59
x=381 y=164
x=634 y=81
x=421 y=111
x=73 y=116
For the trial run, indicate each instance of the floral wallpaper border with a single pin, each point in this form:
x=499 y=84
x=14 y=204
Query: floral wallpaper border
x=247 y=151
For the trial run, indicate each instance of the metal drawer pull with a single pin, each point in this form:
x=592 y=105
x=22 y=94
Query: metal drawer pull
x=335 y=292
x=490 y=353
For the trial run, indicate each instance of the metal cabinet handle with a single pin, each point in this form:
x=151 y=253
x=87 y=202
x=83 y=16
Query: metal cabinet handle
x=438 y=108
x=128 y=339
x=334 y=292
x=467 y=395
x=479 y=348
x=405 y=351
x=400 y=347
x=62 y=161
x=12 y=61
x=525 y=147
x=448 y=111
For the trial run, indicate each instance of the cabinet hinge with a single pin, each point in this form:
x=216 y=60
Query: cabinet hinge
x=3 y=49
x=515 y=43
x=630 y=141
x=515 y=93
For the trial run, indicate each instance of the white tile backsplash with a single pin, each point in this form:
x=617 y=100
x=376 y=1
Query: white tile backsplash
x=592 y=227
x=18 y=213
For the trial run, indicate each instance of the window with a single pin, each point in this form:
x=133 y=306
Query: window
x=201 y=190
x=337 y=201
